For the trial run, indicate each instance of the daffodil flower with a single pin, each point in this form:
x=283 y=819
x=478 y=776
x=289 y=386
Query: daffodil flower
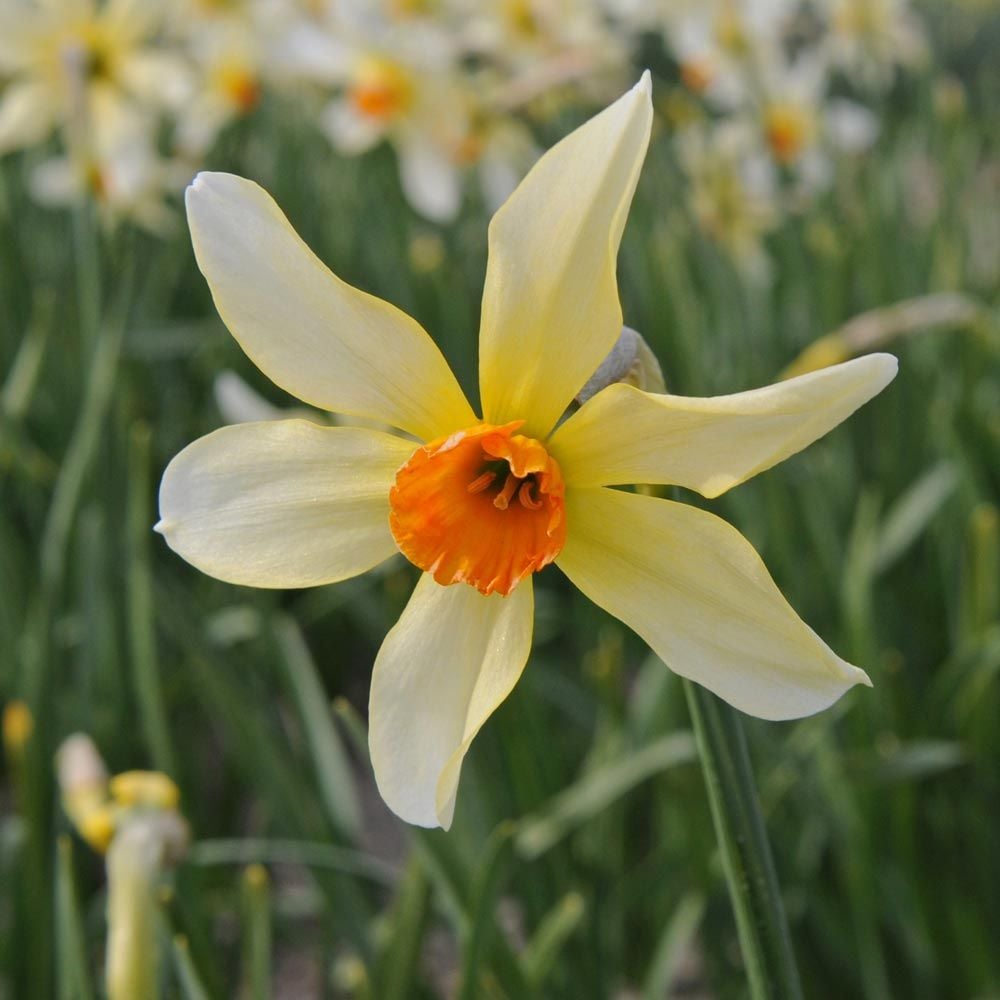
x=481 y=504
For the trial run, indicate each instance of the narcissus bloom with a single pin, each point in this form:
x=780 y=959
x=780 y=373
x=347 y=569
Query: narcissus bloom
x=481 y=504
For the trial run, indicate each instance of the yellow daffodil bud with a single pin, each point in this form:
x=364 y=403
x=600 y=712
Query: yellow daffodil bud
x=630 y=361
x=96 y=825
x=18 y=725
x=145 y=788
x=83 y=780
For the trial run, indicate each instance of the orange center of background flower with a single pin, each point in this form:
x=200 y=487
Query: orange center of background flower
x=787 y=131
x=697 y=74
x=380 y=89
x=240 y=86
x=483 y=506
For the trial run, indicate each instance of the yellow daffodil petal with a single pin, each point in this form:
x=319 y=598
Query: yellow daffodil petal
x=331 y=345
x=443 y=669
x=284 y=503
x=696 y=591
x=550 y=304
x=624 y=435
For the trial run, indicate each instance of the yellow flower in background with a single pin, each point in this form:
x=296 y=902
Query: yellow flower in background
x=481 y=504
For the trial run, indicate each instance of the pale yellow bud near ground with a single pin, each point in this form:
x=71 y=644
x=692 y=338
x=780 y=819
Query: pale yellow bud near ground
x=145 y=788
x=83 y=780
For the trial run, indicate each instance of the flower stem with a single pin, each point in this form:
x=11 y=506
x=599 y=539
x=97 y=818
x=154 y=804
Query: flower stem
x=746 y=853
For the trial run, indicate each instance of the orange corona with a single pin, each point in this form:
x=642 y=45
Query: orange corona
x=483 y=506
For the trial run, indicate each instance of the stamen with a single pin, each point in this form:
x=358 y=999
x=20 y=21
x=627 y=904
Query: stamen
x=502 y=500
x=524 y=495
x=481 y=482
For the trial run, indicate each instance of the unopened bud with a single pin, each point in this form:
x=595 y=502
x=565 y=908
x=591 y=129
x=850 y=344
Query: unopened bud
x=630 y=361
x=145 y=788
x=83 y=780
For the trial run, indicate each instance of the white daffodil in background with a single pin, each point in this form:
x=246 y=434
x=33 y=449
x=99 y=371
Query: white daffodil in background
x=720 y=46
x=81 y=65
x=397 y=79
x=802 y=129
x=734 y=189
x=420 y=106
x=563 y=40
x=228 y=44
x=128 y=179
x=228 y=60
x=868 y=39
x=481 y=504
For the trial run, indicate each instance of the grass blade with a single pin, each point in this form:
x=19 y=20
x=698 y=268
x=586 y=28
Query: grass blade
x=597 y=790
x=74 y=976
x=333 y=768
x=257 y=932
x=141 y=616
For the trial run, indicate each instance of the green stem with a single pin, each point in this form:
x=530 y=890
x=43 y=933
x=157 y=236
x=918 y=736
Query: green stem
x=746 y=853
x=86 y=248
x=257 y=932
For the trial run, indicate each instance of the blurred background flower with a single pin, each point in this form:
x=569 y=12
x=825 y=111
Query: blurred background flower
x=142 y=96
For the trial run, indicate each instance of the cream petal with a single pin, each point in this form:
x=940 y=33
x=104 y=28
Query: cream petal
x=27 y=115
x=331 y=345
x=55 y=182
x=696 y=591
x=431 y=182
x=282 y=503
x=350 y=132
x=550 y=305
x=443 y=669
x=159 y=79
x=624 y=435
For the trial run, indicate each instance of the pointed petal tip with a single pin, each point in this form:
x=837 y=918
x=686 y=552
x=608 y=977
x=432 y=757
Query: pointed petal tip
x=880 y=370
x=889 y=364
x=852 y=674
x=161 y=527
x=197 y=184
x=206 y=179
x=645 y=84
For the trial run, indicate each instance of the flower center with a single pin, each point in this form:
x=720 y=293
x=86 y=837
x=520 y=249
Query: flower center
x=239 y=85
x=87 y=54
x=786 y=128
x=483 y=506
x=381 y=89
x=697 y=74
